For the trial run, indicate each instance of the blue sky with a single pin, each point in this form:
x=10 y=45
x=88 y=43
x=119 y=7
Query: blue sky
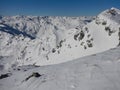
x=56 y=7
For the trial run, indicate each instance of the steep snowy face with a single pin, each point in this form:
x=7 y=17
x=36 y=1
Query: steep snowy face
x=105 y=29
x=51 y=40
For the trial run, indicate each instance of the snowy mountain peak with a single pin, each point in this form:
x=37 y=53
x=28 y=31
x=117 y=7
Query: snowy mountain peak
x=116 y=9
x=112 y=11
x=111 y=14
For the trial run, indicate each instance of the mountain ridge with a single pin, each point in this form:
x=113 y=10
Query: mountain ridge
x=58 y=39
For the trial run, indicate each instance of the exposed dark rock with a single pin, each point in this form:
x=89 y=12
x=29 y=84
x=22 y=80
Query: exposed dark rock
x=43 y=48
x=86 y=29
x=82 y=43
x=108 y=29
x=2 y=76
x=58 y=52
x=34 y=74
x=85 y=47
x=89 y=44
x=112 y=12
x=75 y=36
x=60 y=44
x=53 y=50
x=88 y=35
x=47 y=57
x=91 y=39
x=79 y=36
x=104 y=23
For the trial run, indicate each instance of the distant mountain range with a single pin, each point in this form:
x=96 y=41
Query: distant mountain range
x=27 y=43
x=37 y=40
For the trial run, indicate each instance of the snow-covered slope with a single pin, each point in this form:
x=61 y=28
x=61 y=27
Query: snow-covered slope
x=96 y=72
x=28 y=42
x=46 y=40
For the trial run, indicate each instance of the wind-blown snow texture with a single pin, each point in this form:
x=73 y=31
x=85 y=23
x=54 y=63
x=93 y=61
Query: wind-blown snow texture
x=28 y=42
x=96 y=72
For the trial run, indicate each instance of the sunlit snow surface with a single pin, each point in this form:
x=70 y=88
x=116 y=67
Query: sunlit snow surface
x=80 y=53
x=52 y=40
x=96 y=72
